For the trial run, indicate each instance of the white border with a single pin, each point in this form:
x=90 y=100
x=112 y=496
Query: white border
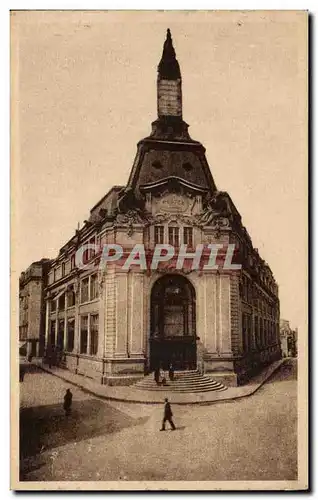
x=4 y=170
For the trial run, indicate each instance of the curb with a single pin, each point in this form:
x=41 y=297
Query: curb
x=180 y=403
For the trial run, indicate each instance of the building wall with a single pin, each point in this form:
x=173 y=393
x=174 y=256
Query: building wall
x=237 y=312
x=32 y=312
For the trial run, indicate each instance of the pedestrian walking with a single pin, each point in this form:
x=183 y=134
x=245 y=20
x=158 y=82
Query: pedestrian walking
x=68 y=402
x=21 y=375
x=167 y=415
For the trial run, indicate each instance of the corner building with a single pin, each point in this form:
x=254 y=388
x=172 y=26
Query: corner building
x=115 y=325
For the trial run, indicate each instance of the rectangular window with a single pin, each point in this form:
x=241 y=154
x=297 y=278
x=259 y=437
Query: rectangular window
x=53 y=306
x=73 y=262
x=188 y=236
x=84 y=334
x=261 y=332
x=159 y=235
x=63 y=269
x=91 y=252
x=174 y=236
x=94 y=287
x=60 y=334
x=85 y=253
x=62 y=302
x=257 y=342
x=71 y=297
x=52 y=332
x=84 y=290
x=94 y=334
x=70 y=334
x=244 y=333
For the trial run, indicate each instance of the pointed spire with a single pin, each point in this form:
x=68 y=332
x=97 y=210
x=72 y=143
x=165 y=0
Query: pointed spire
x=168 y=68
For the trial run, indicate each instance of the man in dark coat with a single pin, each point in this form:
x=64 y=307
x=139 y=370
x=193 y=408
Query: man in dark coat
x=157 y=375
x=68 y=402
x=167 y=416
x=171 y=372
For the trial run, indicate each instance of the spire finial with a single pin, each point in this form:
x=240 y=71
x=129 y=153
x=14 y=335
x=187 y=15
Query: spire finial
x=169 y=67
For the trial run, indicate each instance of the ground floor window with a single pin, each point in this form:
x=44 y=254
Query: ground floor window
x=94 y=334
x=257 y=339
x=261 y=330
x=52 y=332
x=60 y=334
x=33 y=348
x=244 y=333
x=84 y=334
x=70 y=334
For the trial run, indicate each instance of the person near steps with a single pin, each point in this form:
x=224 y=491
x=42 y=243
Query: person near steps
x=167 y=416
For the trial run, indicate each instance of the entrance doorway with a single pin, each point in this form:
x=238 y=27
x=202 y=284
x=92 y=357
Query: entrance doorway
x=173 y=334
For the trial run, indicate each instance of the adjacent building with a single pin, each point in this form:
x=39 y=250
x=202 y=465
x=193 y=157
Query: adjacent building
x=114 y=324
x=32 y=284
x=288 y=338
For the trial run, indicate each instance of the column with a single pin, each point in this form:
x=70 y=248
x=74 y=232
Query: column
x=210 y=326
x=136 y=320
x=121 y=297
x=101 y=315
x=225 y=315
x=65 y=323
x=88 y=334
x=47 y=322
x=110 y=312
x=56 y=323
x=77 y=317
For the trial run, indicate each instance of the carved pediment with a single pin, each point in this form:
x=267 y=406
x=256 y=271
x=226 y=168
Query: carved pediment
x=170 y=202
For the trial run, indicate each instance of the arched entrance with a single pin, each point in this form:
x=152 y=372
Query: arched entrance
x=173 y=334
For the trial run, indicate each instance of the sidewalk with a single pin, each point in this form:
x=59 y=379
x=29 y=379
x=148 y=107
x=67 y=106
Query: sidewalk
x=130 y=394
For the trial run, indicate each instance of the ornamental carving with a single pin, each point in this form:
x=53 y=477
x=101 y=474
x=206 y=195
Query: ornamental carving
x=218 y=212
x=132 y=216
x=189 y=220
x=220 y=223
x=101 y=281
x=173 y=203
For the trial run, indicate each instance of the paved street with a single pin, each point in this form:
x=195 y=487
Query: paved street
x=253 y=438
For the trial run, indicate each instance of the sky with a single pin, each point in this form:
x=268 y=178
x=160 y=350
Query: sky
x=84 y=93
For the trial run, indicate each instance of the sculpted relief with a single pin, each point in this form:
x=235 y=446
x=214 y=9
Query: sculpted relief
x=174 y=203
x=186 y=208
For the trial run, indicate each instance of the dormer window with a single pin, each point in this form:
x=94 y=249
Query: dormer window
x=157 y=164
x=187 y=166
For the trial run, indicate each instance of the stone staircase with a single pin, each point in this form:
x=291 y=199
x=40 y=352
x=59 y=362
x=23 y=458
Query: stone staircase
x=184 y=381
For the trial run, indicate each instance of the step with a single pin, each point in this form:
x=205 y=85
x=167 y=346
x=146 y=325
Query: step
x=200 y=383
x=169 y=389
x=184 y=391
x=184 y=382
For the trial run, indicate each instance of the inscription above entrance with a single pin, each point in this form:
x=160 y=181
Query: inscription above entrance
x=173 y=203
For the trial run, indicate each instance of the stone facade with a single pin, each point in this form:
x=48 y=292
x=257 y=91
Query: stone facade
x=31 y=306
x=109 y=322
x=288 y=338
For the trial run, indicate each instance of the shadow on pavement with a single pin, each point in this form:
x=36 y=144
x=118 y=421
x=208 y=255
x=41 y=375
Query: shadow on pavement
x=287 y=371
x=28 y=368
x=46 y=427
